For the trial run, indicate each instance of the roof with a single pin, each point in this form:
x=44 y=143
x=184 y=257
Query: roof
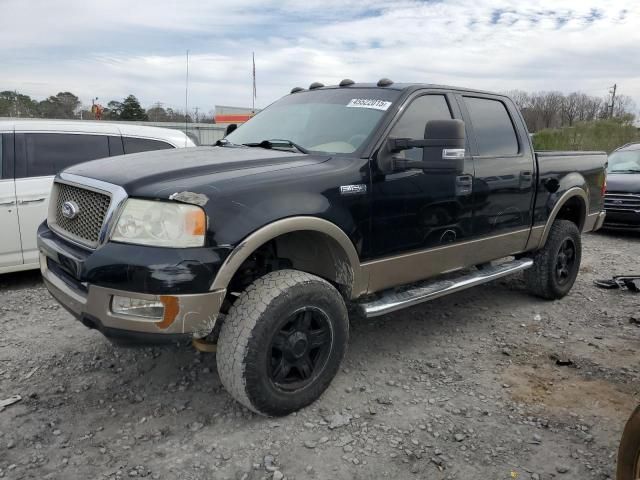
x=173 y=136
x=410 y=86
x=629 y=146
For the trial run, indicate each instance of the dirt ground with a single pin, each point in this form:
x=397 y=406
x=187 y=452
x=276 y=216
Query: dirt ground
x=465 y=387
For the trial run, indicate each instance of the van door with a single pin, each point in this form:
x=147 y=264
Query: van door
x=10 y=248
x=39 y=157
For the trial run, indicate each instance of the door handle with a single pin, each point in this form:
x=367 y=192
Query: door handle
x=7 y=204
x=464 y=184
x=35 y=200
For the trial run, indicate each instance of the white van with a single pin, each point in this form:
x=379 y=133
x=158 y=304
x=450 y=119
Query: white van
x=33 y=151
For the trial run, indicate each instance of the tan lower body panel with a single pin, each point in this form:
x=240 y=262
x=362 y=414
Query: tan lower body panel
x=411 y=267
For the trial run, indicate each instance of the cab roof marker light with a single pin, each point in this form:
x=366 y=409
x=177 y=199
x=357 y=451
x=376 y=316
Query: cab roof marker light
x=346 y=82
x=384 y=82
x=315 y=85
x=297 y=89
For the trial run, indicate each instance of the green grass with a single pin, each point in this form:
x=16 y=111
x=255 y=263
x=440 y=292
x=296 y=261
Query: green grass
x=604 y=135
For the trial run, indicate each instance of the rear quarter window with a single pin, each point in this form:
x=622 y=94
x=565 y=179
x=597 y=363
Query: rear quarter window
x=492 y=127
x=49 y=153
x=135 y=145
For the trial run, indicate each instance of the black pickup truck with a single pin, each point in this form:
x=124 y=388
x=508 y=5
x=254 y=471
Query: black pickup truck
x=374 y=197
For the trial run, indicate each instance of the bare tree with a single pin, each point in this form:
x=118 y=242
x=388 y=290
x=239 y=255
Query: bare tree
x=570 y=108
x=623 y=106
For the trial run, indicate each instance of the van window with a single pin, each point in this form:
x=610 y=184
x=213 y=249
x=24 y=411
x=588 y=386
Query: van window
x=492 y=127
x=135 y=145
x=115 y=146
x=49 y=153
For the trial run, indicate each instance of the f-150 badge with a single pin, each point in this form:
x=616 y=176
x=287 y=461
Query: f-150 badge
x=353 y=189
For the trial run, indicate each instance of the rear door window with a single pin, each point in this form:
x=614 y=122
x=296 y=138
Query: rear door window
x=135 y=145
x=494 y=131
x=49 y=153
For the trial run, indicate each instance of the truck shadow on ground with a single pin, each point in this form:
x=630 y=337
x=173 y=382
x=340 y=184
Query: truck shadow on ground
x=173 y=379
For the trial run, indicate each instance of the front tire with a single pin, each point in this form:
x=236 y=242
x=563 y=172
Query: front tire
x=629 y=451
x=282 y=342
x=556 y=265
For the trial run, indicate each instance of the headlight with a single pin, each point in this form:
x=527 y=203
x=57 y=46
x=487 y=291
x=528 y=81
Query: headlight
x=161 y=224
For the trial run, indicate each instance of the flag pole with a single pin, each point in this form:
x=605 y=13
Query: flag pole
x=253 y=98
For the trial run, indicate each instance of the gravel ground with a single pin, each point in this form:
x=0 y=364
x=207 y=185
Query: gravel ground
x=489 y=383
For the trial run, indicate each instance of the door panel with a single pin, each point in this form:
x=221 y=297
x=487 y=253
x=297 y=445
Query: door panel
x=33 y=203
x=503 y=186
x=416 y=209
x=10 y=249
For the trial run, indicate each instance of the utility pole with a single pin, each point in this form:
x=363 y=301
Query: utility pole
x=613 y=98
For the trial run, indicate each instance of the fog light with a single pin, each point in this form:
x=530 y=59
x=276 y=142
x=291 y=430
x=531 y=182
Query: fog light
x=151 y=309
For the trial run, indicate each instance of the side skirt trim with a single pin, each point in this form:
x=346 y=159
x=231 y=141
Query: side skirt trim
x=424 y=291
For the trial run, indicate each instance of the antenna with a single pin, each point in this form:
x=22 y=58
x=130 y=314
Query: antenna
x=186 y=101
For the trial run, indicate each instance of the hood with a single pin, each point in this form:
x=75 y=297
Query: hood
x=193 y=169
x=623 y=182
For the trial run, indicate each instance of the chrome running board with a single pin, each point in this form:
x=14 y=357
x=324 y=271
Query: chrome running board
x=406 y=296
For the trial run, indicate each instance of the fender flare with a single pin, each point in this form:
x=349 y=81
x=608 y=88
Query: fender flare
x=570 y=193
x=290 y=225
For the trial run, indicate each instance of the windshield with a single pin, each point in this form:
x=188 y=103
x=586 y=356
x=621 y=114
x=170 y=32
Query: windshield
x=627 y=161
x=328 y=121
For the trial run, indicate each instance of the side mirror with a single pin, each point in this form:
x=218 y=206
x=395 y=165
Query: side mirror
x=450 y=139
x=230 y=128
x=443 y=147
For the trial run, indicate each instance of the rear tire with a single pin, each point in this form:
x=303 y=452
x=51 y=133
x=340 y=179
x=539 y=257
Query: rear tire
x=556 y=265
x=629 y=451
x=282 y=342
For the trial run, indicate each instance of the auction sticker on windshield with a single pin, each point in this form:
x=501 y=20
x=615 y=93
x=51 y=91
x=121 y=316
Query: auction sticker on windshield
x=369 y=103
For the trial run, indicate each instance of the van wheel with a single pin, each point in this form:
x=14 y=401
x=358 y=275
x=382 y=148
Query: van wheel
x=629 y=451
x=556 y=265
x=282 y=342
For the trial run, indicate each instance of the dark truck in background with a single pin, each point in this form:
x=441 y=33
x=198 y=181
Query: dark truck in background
x=374 y=196
x=622 y=200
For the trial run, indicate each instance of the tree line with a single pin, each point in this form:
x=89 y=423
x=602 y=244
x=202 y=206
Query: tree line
x=66 y=105
x=543 y=110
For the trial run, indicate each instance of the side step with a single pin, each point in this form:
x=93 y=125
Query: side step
x=407 y=296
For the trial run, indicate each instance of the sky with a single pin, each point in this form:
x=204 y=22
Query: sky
x=112 y=48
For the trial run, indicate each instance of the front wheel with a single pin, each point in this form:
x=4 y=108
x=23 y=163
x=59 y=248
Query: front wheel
x=282 y=342
x=629 y=451
x=556 y=265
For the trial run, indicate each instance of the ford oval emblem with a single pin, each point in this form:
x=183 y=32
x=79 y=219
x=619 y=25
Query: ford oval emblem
x=70 y=210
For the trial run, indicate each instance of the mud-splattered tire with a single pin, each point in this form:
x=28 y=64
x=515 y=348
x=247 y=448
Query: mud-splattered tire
x=629 y=451
x=556 y=265
x=282 y=342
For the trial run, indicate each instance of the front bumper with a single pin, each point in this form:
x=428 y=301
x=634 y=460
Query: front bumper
x=623 y=220
x=85 y=283
x=196 y=314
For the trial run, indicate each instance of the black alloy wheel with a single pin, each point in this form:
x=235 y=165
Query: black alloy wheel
x=565 y=261
x=300 y=348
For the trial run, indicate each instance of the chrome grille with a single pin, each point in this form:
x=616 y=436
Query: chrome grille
x=624 y=202
x=92 y=209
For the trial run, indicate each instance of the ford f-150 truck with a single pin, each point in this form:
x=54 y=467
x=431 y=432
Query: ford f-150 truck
x=374 y=197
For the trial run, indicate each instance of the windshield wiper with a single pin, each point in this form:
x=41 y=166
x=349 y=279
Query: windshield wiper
x=626 y=170
x=274 y=143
